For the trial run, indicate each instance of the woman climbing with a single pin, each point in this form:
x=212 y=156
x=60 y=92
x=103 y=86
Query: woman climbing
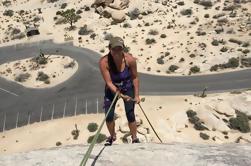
x=119 y=70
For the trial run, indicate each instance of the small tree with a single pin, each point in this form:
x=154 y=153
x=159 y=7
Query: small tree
x=70 y=17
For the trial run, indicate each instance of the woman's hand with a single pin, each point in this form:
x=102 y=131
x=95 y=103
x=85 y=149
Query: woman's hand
x=137 y=99
x=125 y=97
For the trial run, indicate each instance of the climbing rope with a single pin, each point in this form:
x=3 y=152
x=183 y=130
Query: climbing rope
x=88 y=153
x=150 y=123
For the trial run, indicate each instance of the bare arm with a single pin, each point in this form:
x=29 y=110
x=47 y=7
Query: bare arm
x=106 y=75
x=133 y=67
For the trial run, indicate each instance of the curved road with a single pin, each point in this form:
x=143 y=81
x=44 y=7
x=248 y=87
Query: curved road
x=83 y=92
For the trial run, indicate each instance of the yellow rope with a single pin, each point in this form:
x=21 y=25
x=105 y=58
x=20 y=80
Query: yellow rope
x=88 y=153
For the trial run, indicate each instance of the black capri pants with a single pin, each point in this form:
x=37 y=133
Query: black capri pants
x=129 y=105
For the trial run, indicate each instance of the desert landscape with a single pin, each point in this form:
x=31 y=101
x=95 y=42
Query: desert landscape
x=168 y=38
x=213 y=119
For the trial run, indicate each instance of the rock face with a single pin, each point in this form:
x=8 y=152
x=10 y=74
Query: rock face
x=210 y=119
x=137 y=155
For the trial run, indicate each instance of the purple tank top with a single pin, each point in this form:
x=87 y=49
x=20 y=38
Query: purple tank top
x=122 y=80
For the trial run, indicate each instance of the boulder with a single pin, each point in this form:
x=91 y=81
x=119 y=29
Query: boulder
x=119 y=4
x=118 y=16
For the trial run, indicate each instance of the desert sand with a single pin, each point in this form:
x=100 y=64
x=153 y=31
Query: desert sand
x=167 y=37
x=168 y=116
x=41 y=72
x=171 y=38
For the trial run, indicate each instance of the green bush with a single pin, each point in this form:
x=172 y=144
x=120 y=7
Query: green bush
x=232 y=63
x=153 y=32
x=163 y=35
x=186 y=12
x=92 y=127
x=160 y=61
x=195 y=120
x=22 y=77
x=240 y=122
x=215 y=42
x=150 y=41
x=9 y=13
x=101 y=138
x=214 y=68
x=133 y=14
x=172 y=68
x=190 y=113
x=204 y=136
x=41 y=76
x=195 y=69
x=63 y=6
x=84 y=30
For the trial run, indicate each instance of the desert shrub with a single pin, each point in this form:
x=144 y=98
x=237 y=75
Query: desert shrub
x=9 y=13
x=172 y=68
x=204 y=136
x=240 y=122
x=186 y=12
x=160 y=60
x=245 y=51
x=206 y=3
x=41 y=60
x=215 y=42
x=163 y=36
x=214 y=68
x=101 y=138
x=6 y=3
x=64 y=5
x=195 y=120
x=22 y=77
x=190 y=113
x=195 y=69
x=84 y=30
x=133 y=14
x=127 y=25
x=58 y=143
x=232 y=63
x=232 y=40
x=41 y=76
x=150 y=41
x=15 y=31
x=92 y=127
x=153 y=32
x=18 y=36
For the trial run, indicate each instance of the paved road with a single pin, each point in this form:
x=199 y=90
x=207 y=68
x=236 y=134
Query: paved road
x=83 y=92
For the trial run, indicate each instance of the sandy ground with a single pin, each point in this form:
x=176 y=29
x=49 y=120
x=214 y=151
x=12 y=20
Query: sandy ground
x=179 y=32
x=166 y=113
x=57 y=69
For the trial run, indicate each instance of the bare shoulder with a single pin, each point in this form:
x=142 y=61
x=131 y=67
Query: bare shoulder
x=130 y=59
x=103 y=60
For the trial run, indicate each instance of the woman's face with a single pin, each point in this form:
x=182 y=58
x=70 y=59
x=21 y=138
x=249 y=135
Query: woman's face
x=117 y=50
